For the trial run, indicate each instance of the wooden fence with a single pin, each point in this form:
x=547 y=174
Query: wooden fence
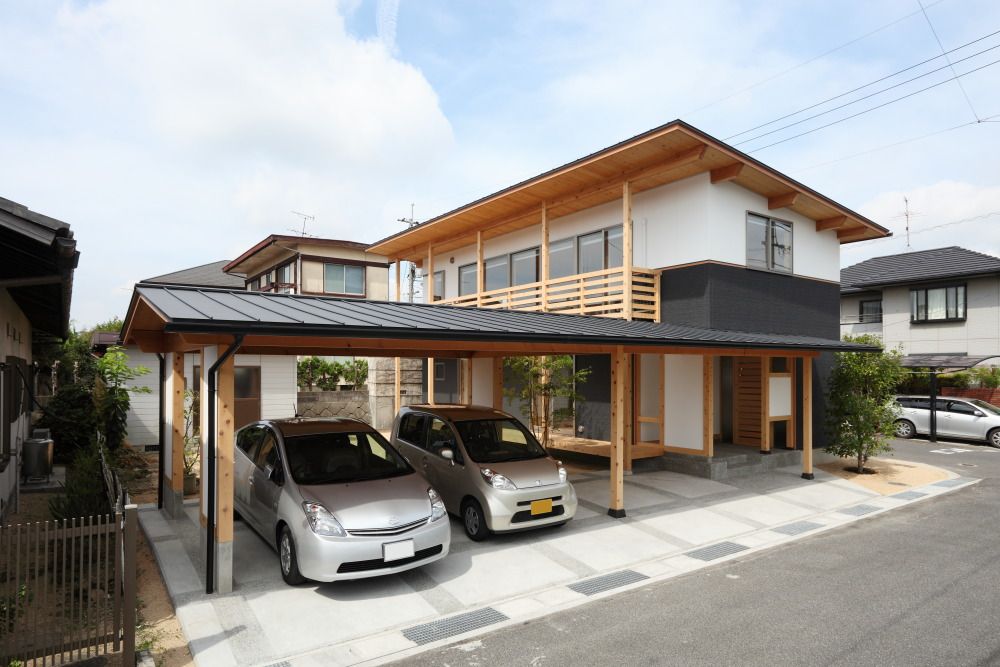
x=67 y=587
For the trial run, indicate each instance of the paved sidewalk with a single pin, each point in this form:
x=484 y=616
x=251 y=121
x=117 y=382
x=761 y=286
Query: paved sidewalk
x=675 y=524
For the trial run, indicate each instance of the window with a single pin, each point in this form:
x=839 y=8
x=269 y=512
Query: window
x=284 y=274
x=938 y=304
x=496 y=273
x=467 y=279
x=267 y=455
x=614 y=242
x=254 y=285
x=769 y=244
x=961 y=408
x=343 y=279
x=440 y=436
x=438 y=285
x=440 y=374
x=266 y=279
x=562 y=258
x=411 y=428
x=590 y=252
x=249 y=440
x=524 y=267
x=498 y=440
x=335 y=458
x=870 y=311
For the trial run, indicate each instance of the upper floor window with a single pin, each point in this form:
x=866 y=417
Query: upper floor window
x=496 y=273
x=254 y=285
x=438 y=285
x=937 y=304
x=284 y=274
x=870 y=311
x=343 y=279
x=562 y=258
x=599 y=250
x=769 y=244
x=524 y=267
x=467 y=279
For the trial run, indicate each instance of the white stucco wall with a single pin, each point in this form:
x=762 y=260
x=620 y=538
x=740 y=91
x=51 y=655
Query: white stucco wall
x=683 y=399
x=482 y=381
x=679 y=223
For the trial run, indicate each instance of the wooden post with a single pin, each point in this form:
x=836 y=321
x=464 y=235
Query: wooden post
x=616 y=503
x=498 y=383
x=791 y=437
x=807 y=419
x=429 y=275
x=545 y=258
x=630 y=411
x=765 y=407
x=480 y=279
x=707 y=405
x=662 y=406
x=399 y=296
x=397 y=401
x=206 y=358
x=430 y=380
x=225 y=448
x=466 y=365
x=627 y=248
x=175 y=475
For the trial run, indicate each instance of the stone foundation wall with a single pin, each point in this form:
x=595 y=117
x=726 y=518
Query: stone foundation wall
x=382 y=387
x=348 y=404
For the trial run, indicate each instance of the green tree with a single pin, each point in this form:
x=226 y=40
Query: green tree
x=537 y=382
x=861 y=411
x=355 y=372
x=112 y=396
x=310 y=371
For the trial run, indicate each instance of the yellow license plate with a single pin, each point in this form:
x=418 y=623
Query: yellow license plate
x=541 y=506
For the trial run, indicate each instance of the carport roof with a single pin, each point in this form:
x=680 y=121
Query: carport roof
x=170 y=318
x=943 y=360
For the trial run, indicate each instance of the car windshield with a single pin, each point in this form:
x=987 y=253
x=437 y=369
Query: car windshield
x=498 y=440
x=334 y=458
x=985 y=407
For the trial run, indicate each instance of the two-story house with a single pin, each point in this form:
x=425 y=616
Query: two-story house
x=944 y=301
x=669 y=226
x=38 y=256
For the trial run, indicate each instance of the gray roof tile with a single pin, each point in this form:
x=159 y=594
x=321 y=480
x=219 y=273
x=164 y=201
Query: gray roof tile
x=206 y=275
x=918 y=266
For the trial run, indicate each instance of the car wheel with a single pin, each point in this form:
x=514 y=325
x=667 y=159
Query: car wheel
x=474 y=521
x=288 y=560
x=993 y=438
x=904 y=429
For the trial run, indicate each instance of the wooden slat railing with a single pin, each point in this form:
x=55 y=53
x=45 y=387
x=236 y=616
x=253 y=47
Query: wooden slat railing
x=598 y=293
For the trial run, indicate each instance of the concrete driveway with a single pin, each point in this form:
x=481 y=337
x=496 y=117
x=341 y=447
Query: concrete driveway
x=675 y=524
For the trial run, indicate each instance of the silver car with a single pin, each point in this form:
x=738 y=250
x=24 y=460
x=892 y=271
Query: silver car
x=336 y=500
x=956 y=417
x=489 y=469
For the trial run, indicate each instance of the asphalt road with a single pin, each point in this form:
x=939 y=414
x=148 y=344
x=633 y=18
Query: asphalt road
x=916 y=586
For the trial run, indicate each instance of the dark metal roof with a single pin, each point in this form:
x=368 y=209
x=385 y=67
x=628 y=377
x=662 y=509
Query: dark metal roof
x=38 y=256
x=943 y=360
x=206 y=275
x=200 y=310
x=915 y=267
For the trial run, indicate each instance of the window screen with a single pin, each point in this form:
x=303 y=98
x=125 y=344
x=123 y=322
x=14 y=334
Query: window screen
x=467 y=279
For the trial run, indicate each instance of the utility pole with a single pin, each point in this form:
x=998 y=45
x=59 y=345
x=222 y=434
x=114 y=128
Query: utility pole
x=411 y=271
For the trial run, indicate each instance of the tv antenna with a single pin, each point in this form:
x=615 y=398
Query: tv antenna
x=306 y=218
x=411 y=272
x=907 y=213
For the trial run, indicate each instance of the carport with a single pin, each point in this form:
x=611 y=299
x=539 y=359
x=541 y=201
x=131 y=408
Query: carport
x=217 y=322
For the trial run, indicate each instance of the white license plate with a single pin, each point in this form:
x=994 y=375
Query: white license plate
x=397 y=550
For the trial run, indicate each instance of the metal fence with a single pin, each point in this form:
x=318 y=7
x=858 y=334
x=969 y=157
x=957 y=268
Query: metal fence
x=67 y=587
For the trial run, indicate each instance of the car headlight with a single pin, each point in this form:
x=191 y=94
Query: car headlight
x=437 y=505
x=562 y=475
x=496 y=480
x=322 y=521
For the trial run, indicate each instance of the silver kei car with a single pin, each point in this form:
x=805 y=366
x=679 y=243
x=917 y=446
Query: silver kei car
x=336 y=500
x=489 y=469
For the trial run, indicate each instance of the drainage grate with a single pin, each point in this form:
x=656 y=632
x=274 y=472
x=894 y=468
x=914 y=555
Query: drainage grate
x=859 y=510
x=717 y=551
x=797 y=528
x=908 y=495
x=607 y=581
x=283 y=663
x=456 y=625
x=948 y=483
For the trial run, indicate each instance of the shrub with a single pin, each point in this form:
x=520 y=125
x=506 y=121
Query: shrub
x=84 y=493
x=72 y=418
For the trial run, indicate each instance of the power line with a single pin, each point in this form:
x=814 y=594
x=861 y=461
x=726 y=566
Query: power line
x=945 y=54
x=988 y=119
x=872 y=83
x=931 y=228
x=807 y=62
x=864 y=111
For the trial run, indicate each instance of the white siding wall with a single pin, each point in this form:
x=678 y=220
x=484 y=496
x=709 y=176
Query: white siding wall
x=978 y=335
x=144 y=413
x=679 y=223
x=849 y=313
x=683 y=398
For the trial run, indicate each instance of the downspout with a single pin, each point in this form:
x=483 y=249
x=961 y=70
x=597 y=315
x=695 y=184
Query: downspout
x=934 y=395
x=163 y=428
x=210 y=447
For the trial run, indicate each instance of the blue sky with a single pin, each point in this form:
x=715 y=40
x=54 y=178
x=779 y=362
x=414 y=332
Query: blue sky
x=174 y=134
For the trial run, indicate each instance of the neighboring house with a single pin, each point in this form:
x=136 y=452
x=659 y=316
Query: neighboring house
x=265 y=384
x=671 y=225
x=944 y=301
x=37 y=258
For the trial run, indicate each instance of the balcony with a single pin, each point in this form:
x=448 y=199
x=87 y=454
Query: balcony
x=605 y=293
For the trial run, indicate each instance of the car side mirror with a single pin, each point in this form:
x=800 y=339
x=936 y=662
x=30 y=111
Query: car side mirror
x=448 y=454
x=979 y=414
x=276 y=475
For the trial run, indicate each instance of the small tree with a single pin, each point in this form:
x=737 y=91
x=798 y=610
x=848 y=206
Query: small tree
x=355 y=372
x=192 y=441
x=310 y=371
x=862 y=412
x=537 y=381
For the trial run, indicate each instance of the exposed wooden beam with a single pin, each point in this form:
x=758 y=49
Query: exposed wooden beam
x=399 y=295
x=727 y=173
x=835 y=222
x=480 y=278
x=31 y=281
x=498 y=383
x=175 y=471
x=429 y=275
x=627 y=246
x=707 y=406
x=785 y=200
x=616 y=502
x=225 y=448
x=852 y=233
x=544 y=258
x=807 y=420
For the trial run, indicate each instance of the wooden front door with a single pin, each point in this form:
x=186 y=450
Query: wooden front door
x=747 y=397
